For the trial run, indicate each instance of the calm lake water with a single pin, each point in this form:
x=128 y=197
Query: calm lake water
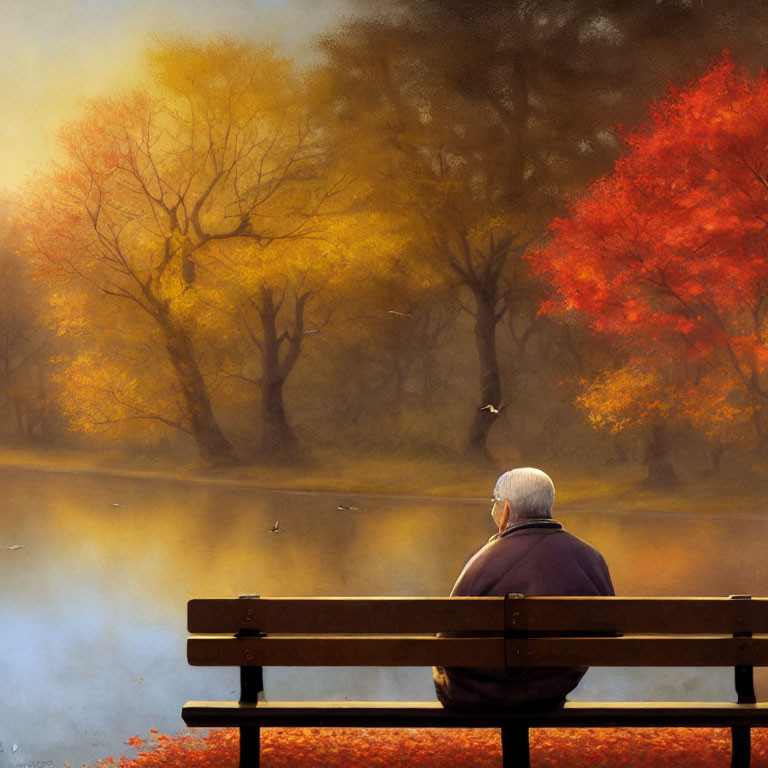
x=93 y=609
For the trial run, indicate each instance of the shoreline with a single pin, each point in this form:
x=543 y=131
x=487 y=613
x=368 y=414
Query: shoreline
x=234 y=483
x=619 y=491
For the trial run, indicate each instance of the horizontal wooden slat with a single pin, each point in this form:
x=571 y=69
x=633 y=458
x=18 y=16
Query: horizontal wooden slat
x=432 y=715
x=687 y=615
x=328 y=650
x=346 y=651
x=435 y=614
x=342 y=615
x=633 y=651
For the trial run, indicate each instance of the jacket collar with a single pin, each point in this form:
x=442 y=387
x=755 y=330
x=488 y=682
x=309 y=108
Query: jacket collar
x=525 y=524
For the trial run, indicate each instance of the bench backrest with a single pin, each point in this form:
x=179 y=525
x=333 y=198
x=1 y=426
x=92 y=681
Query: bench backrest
x=479 y=631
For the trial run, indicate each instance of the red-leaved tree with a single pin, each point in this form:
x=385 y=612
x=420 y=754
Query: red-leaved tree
x=669 y=253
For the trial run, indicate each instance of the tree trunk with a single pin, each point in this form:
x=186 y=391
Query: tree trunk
x=278 y=442
x=661 y=473
x=717 y=457
x=427 y=382
x=619 y=451
x=19 y=412
x=758 y=422
x=490 y=379
x=397 y=376
x=214 y=447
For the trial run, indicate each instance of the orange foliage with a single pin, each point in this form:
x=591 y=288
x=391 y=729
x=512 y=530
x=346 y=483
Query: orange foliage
x=668 y=254
x=645 y=389
x=398 y=748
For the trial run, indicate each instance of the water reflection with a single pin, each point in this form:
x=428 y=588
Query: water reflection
x=92 y=614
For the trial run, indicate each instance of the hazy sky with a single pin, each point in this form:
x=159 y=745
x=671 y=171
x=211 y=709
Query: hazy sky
x=58 y=52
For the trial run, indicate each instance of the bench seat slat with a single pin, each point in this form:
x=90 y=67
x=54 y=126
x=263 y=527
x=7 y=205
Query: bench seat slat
x=433 y=715
x=692 y=615
x=401 y=615
x=642 y=651
x=386 y=651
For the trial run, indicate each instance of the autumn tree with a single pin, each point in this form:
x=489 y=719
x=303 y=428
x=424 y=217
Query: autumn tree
x=160 y=189
x=271 y=277
x=649 y=399
x=268 y=305
x=668 y=255
x=472 y=119
x=26 y=341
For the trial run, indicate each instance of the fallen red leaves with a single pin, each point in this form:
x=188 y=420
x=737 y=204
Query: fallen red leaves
x=399 y=748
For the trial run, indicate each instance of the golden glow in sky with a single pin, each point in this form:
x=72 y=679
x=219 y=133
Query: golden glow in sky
x=58 y=53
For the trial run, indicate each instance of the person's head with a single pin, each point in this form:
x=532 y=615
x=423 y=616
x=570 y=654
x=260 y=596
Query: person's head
x=522 y=494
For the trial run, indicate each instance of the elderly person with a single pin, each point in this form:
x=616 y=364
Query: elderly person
x=533 y=555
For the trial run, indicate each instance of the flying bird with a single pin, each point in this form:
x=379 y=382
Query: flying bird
x=275 y=528
x=13 y=547
x=490 y=408
x=347 y=508
x=399 y=314
x=115 y=504
x=312 y=332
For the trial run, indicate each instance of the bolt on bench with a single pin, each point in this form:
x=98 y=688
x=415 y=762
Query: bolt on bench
x=494 y=632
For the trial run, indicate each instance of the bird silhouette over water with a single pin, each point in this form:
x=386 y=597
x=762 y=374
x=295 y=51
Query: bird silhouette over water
x=115 y=504
x=399 y=314
x=311 y=331
x=491 y=408
x=13 y=547
x=348 y=508
x=275 y=528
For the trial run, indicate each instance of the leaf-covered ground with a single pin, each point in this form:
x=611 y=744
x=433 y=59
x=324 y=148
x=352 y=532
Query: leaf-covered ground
x=399 y=748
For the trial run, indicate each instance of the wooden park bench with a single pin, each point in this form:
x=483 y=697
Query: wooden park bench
x=500 y=632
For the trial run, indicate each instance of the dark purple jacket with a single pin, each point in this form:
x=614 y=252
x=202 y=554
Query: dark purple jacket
x=533 y=558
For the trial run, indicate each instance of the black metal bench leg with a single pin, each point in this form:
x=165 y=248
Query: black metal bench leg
x=514 y=747
x=740 y=746
x=250 y=747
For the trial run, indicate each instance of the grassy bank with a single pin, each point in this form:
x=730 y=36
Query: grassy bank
x=613 y=488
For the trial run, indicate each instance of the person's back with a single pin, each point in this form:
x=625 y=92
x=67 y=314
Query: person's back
x=534 y=556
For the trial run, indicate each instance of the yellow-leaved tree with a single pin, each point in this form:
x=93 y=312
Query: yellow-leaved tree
x=164 y=197
x=648 y=398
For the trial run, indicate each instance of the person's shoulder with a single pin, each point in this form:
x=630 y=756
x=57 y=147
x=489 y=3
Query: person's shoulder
x=575 y=542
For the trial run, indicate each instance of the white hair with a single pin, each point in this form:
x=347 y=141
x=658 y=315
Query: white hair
x=530 y=493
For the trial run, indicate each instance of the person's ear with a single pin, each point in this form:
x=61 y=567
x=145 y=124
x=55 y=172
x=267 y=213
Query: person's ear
x=504 y=517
